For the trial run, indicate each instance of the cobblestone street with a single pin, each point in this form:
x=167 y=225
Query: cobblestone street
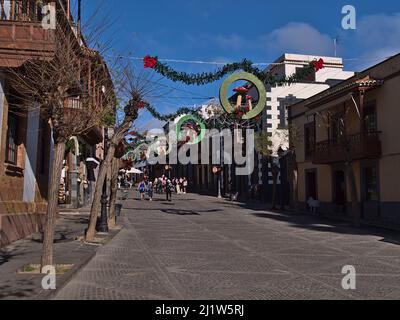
x=199 y=247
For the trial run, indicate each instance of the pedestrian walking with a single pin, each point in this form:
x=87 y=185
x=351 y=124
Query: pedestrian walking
x=178 y=186
x=168 y=190
x=150 y=191
x=142 y=190
x=185 y=184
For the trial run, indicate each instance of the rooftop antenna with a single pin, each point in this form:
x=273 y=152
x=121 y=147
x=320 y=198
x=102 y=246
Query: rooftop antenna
x=335 y=44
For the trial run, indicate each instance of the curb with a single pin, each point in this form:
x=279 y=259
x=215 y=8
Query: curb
x=71 y=275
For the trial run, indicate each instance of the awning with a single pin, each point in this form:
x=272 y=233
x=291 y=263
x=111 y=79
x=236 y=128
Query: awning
x=92 y=160
x=134 y=171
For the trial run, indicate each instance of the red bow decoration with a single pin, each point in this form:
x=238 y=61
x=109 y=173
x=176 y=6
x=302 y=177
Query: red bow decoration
x=248 y=97
x=318 y=65
x=150 y=62
x=132 y=133
x=141 y=105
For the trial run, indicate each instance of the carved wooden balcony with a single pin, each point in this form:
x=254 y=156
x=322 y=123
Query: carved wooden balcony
x=22 y=36
x=358 y=146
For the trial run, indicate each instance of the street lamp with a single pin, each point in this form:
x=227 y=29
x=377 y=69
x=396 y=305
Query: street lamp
x=217 y=171
x=281 y=154
x=102 y=224
x=168 y=168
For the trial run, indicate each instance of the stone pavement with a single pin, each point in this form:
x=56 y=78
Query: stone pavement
x=199 y=247
x=67 y=250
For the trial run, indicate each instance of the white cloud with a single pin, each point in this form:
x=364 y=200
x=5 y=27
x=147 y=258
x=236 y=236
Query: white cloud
x=376 y=38
x=379 y=35
x=298 y=37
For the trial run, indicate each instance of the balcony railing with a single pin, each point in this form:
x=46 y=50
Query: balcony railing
x=359 y=146
x=21 y=10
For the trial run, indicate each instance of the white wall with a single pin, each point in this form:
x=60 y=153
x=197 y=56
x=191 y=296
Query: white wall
x=32 y=136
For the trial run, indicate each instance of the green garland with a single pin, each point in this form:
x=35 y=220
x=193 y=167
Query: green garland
x=245 y=65
x=172 y=116
x=204 y=77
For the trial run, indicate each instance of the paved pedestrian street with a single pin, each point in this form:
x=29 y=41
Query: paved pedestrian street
x=200 y=247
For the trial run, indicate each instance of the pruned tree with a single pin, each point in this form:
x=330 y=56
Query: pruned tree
x=134 y=86
x=294 y=136
x=115 y=166
x=72 y=90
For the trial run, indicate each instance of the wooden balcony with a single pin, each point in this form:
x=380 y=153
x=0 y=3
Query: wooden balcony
x=359 y=146
x=22 y=36
x=21 y=41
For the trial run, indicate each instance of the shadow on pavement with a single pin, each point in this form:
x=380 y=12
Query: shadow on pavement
x=324 y=224
x=15 y=292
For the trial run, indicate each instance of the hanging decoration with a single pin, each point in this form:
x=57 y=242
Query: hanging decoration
x=318 y=65
x=190 y=130
x=172 y=116
x=245 y=65
x=243 y=108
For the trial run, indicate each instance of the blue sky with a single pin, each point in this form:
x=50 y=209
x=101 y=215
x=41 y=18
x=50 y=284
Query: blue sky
x=230 y=30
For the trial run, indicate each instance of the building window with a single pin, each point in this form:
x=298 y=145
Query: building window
x=309 y=139
x=283 y=116
x=370 y=119
x=371 y=184
x=11 y=146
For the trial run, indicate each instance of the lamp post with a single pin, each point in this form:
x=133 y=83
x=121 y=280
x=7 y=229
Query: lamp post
x=102 y=224
x=281 y=154
x=217 y=171
x=168 y=169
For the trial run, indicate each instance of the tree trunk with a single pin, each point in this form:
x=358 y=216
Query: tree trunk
x=95 y=210
x=52 y=208
x=96 y=205
x=355 y=205
x=113 y=192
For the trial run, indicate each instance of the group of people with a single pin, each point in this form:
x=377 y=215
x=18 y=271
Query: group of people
x=162 y=185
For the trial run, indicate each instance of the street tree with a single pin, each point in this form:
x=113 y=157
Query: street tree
x=134 y=87
x=73 y=91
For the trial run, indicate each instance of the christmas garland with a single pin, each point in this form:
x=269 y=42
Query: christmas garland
x=245 y=65
x=172 y=116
